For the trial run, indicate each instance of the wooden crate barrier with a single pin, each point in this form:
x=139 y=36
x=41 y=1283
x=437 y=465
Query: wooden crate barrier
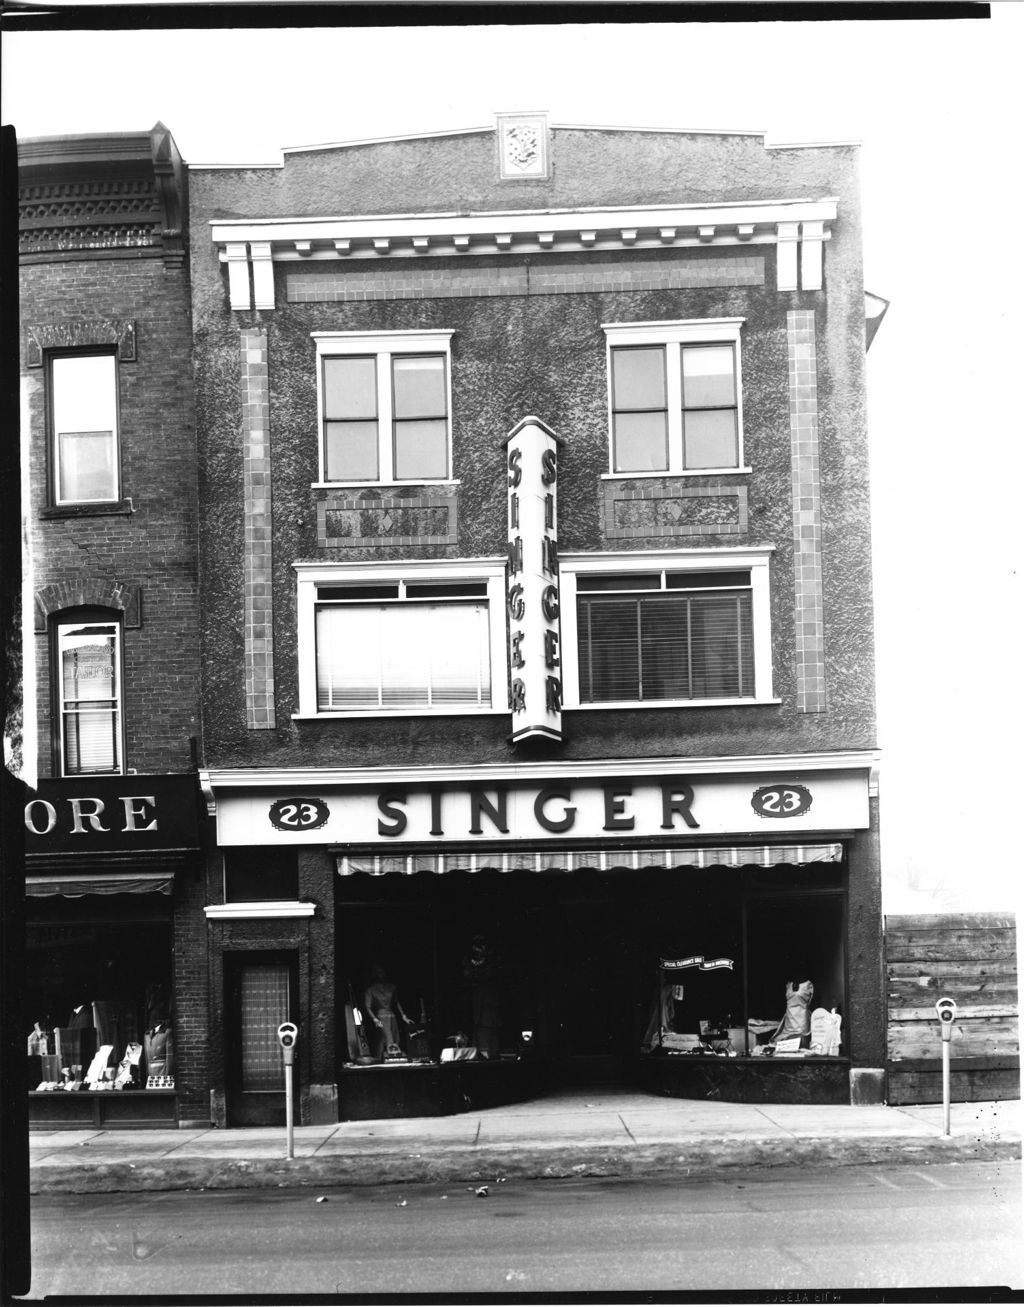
x=969 y=957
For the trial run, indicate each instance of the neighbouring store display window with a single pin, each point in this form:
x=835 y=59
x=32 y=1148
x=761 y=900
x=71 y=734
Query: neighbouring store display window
x=99 y=1000
x=748 y=965
x=258 y=875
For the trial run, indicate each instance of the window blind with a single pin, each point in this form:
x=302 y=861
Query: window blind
x=90 y=700
x=637 y=648
x=403 y=655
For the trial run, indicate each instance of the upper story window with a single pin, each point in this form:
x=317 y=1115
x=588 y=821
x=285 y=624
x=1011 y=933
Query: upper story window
x=674 y=396
x=385 y=407
x=667 y=629
x=83 y=415
x=390 y=638
x=88 y=656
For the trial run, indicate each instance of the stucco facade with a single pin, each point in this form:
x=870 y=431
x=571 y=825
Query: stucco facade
x=525 y=256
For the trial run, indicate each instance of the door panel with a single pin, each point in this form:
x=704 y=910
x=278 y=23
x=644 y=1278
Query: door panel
x=261 y=991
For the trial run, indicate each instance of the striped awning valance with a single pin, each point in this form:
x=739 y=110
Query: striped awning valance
x=568 y=860
x=74 y=885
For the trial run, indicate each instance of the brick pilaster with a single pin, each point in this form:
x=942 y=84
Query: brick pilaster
x=259 y=605
x=808 y=597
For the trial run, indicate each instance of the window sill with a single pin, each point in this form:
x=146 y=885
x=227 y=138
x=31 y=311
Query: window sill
x=684 y=472
x=351 y=487
x=379 y=714
x=262 y=909
x=120 y=508
x=634 y=705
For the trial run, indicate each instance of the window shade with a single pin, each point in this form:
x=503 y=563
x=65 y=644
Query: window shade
x=90 y=699
x=413 y=655
x=637 y=648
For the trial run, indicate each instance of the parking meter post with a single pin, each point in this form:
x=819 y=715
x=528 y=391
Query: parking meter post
x=288 y=1111
x=946 y=1010
x=287 y=1034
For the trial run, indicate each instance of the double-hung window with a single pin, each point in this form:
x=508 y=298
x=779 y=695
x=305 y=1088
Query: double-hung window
x=385 y=407
x=83 y=417
x=395 y=638
x=674 y=396
x=88 y=655
x=667 y=628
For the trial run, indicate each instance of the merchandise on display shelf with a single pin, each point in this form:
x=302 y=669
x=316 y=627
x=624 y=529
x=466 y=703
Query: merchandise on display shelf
x=159 y=1049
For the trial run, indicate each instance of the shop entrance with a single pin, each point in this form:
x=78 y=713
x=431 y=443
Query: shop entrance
x=590 y=1032
x=261 y=991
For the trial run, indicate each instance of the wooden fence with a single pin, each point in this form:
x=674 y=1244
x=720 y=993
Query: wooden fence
x=971 y=958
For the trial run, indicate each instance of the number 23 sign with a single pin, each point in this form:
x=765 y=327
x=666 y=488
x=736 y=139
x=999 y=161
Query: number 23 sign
x=781 y=800
x=299 y=814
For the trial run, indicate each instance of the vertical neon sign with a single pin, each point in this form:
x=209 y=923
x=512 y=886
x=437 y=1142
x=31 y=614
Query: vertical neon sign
x=535 y=643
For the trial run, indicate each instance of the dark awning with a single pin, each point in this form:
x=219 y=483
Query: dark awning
x=568 y=860
x=74 y=885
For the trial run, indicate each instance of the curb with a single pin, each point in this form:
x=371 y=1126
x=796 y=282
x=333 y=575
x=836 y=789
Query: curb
x=682 y=1159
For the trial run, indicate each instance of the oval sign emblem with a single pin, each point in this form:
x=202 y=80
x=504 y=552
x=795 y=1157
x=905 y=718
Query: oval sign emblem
x=781 y=800
x=299 y=814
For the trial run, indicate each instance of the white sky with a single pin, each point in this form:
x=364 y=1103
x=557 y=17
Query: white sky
x=936 y=106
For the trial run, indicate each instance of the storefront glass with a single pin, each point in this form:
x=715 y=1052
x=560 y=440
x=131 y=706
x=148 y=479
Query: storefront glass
x=98 y=993
x=590 y=971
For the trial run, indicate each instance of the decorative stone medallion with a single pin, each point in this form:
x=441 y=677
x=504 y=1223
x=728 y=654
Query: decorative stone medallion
x=523 y=146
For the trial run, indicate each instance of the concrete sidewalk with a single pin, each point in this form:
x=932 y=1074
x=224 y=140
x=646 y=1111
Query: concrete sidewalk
x=601 y=1133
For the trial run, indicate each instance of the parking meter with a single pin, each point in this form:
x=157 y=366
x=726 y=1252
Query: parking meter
x=287 y=1034
x=946 y=1009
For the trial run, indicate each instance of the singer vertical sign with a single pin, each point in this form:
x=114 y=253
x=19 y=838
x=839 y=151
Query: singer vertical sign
x=535 y=646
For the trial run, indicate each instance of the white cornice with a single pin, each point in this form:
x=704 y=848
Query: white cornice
x=251 y=246
x=484 y=225
x=220 y=780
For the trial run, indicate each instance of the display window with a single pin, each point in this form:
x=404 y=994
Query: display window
x=758 y=968
x=98 y=996
x=590 y=971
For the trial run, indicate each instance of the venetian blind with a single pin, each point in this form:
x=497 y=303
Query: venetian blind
x=665 y=646
x=403 y=655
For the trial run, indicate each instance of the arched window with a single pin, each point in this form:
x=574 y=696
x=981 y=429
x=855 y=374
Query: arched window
x=89 y=693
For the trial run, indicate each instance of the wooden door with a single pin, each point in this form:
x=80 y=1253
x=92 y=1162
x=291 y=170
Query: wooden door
x=261 y=991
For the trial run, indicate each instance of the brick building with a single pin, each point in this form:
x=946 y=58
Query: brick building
x=536 y=623
x=112 y=656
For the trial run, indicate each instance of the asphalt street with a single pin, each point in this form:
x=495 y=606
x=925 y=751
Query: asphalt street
x=943 y=1225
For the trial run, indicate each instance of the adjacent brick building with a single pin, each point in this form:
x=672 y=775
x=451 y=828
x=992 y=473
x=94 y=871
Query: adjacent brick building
x=112 y=664
x=536 y=621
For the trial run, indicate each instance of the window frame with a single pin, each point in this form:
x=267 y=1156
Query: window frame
x=310 y=576
x=382 y=347
x=56 y=498
x=682 y=332
x=64 y=621
x=757 y=560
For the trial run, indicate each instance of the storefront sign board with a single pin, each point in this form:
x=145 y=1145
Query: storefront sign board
x=112 y=814
x=666 y=807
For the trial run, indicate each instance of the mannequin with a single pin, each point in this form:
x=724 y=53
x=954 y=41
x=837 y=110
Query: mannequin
x=384 y=1010
x=797 y=1021
x=480 y=973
